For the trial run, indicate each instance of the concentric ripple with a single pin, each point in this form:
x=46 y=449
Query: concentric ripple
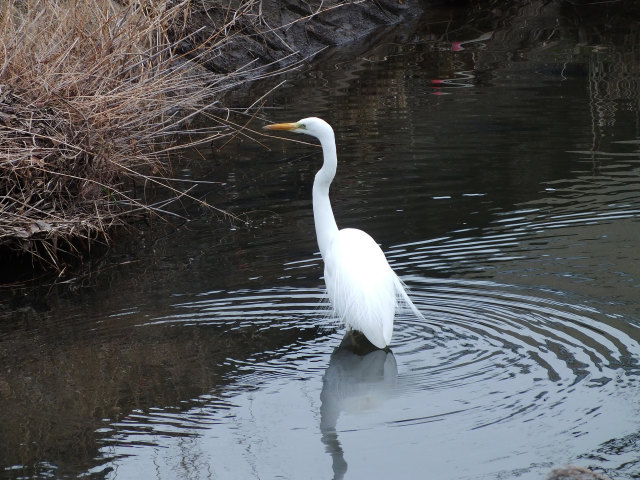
x=502 y=357
x=285 y=307
x=533 y=374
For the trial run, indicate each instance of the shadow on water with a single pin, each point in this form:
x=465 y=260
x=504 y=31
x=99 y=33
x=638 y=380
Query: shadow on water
x=495 y=155
x=359 y=377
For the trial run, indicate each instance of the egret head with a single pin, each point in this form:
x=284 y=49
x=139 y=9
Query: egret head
x=313 y=126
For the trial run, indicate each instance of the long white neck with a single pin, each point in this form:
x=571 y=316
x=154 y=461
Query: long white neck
x=326 y=227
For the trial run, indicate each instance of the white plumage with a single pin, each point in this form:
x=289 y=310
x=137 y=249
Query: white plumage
x=362 y=287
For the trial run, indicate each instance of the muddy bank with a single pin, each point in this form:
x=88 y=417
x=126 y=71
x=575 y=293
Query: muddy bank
x=82 y=139
x=83 y=167
x=274 y=34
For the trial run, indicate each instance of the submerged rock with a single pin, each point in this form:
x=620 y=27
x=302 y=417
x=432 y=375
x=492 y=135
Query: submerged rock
x=573 y=473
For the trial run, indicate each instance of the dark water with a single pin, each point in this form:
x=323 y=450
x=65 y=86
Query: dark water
x=502 y=178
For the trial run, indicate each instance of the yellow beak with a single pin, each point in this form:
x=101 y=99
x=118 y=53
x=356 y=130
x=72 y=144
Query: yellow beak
x=282 y=126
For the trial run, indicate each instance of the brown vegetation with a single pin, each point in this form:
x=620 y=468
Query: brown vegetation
x=94 y=93
x=91 y=94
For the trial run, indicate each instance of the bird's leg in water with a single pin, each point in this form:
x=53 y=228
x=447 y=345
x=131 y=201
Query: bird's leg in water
x=357 y=342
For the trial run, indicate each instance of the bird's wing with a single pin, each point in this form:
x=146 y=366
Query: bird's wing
x=361 y=285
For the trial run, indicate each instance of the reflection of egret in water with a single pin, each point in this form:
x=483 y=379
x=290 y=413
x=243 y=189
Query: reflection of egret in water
x=359 y=377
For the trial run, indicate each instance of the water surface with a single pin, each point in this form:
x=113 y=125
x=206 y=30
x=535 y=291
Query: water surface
x=500 y=171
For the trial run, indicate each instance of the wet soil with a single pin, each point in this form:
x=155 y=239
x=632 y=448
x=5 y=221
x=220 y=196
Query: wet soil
x=280 y=33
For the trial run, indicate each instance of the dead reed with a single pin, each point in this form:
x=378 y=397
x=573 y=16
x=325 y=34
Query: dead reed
x=92 y=94
x=93 y=97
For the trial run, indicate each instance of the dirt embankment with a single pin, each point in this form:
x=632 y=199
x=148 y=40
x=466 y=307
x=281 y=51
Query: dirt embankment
x=278 y=33
x=95 y=96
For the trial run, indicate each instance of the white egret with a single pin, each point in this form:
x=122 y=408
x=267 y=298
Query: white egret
x=362 y=287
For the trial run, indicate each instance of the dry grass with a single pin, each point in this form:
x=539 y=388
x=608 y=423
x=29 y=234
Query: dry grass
x=92 y=94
